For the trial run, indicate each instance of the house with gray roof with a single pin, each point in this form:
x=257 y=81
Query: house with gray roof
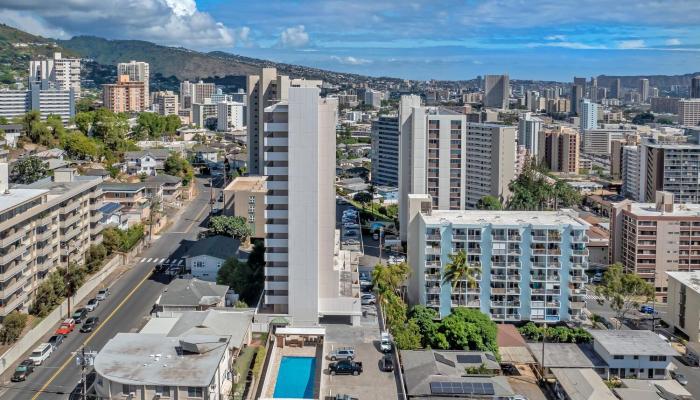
x=204 y=258
x=438 y=374
x=631 y=353
x=171 y=186
x=149 y=162
x=191 y=295
x=149 y=366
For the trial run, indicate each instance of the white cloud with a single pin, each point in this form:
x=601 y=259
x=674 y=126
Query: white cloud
x=568 y=45
x=673 y=42
x=168 y=22
x=294 y=36
x=631 y=44
x=556 y=37
x=350 y=60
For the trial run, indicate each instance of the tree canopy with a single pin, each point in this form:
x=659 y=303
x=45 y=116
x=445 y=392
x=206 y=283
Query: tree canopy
x=245 y=278
x=531 y=191
x=178 y=166
x=29 y=170
x=624 y=291
x=153 y=126
x=489 y=203
x=235 y=227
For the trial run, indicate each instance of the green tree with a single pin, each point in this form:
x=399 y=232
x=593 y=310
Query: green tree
x=470 y=329
x=96 y=254
x=54 y=123
x=12 y=326
x=244 y=278
x=235 y=227
x=111 y=129
x=363 y=198
x=489 y=203
x=643 y=118
x=29 y=170
x=28 y=121
x=4 y=121
x=176 y=165
x=80 y=147
x=407 y=337
x=624 y=291
x=531 y=190
x=111 y=239
x=428 y=323
x=458 y=270
x=84 y=121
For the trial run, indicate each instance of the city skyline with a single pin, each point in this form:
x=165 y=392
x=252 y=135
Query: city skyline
x=419 y=40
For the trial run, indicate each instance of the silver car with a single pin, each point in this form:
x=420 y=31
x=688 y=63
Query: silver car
x=342 y=353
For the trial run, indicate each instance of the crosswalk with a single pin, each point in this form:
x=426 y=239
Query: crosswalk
x=592 y=297
x=168 y=261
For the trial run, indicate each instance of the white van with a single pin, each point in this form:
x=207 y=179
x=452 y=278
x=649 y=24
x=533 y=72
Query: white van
x=41 y=353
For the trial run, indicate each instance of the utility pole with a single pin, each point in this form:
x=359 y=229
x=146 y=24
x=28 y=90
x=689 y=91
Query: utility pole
x=544 y=339
x=84 y=359
x=381 y=233
x=69 y=288
x=211 y=196
x=653 y=306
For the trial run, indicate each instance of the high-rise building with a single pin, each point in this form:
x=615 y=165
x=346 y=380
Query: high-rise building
x=579 y=81
x=602 y=93
x=630 y=172
x=689 y=112
x=560 y=149
x=264 y=89
x=496 y=93
x=695 y=87
x=185 y=95
x=125 y=95
x=166 y=102
x=63 y=72
x=576 y=98
x=481 y=159
x=593 y=91
x=669 y=167
x=137 y=71
x=664 y=105
x=532 y=263
x=245 y=197
x=302 y=278
x=616 y=89
x=385 y=151
x=44 y=225
x=616 y=158
x=204 y=114
x=597 y=141
x=644 y=89
x=229 y=116
x=652 y=238
x=373 y=98
x=588 y=115
x=529 y=129
x=43 y=97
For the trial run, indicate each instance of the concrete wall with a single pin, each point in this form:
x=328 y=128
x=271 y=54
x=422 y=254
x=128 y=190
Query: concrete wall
x=692 y=310
x=30 y=339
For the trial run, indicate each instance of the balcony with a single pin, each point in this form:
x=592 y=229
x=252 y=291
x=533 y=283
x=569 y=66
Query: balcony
x=96 y=193
x=276 y=257
x=272 y=200
x=74 y=205
x=577 y=305
x=276 y=228
x=579 y=252
x=12 y=287
x=460 y=238
x=432 y=250
x=276 y=127
x=18 y=251
x=96 y=217
x=433 y=303
x=276 y=271
x=579 y=238
x=552 y=304
x=514 y=238
x=579 y=279
x=273 y=299
x=276 y=285
x=498 y=278
x=499 y=238
x=275 y=171
x=277 y=185
x=276 y=214
x=433 y=237
x=70 y=234
x=17 y=235
x=433 y=277
x=539 y=238
x=276 y=156
x=276 y=141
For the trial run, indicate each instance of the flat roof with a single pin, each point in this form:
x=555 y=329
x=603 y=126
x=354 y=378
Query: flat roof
x=631 y=342
x=248 y=183
x=582 y=384
x=505 y=218
x=289 y=330
x=143 y=358
x=649 y=210
x=691 y=279
x=567 y=355
x=16 y=197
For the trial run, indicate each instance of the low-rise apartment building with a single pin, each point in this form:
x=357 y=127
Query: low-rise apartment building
x=245 y=197
x=532 y=263
x=684 y=303
x=650 y=239
x=42 y=226
x=149 y=162
x=633 y=353
x=133 y=197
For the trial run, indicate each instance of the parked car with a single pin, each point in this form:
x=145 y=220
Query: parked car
x=597 y=277
x=23 y=370
x=679 y=377
x=66 y=327
x=89 y=324
x=342 y=353
x=364 y=276
x=41 y=353
x=102 y=294
x=385 y=342
x=347 y=367
x=92 y=305
x=344 y=397
x=509 y=369
x=647 y=309
x=79 y=315
x=55 y=341
x=368 y=299
x=387 y=363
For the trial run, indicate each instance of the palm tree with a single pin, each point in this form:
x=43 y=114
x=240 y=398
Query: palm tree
x=459 y=270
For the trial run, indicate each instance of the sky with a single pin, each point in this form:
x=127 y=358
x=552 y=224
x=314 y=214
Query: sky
x=412 y=39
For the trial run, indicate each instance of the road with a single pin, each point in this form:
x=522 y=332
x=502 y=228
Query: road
x=125 y=310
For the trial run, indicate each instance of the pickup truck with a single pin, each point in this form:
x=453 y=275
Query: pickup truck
x=347 y=367
x=66 y=327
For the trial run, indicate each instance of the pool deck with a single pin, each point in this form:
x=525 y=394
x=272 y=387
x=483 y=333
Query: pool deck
x=273 y=367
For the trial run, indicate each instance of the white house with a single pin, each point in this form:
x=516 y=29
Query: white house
x=147 y=162
x=206 y=154
x=630 y=353
x=207 y=255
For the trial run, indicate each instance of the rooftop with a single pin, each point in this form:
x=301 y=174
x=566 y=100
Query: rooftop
x=512 y=218
x=214 y=323
x=157 y=153
x=141 y=358
x=192 y=292
x=123 y=187
x=567 y=355
x=650 y=210
x=582 y=384
x=633 y=343
x=690 y=279
x=164 y=178
x=16 y=197
x=217 y=246
x=248 y=183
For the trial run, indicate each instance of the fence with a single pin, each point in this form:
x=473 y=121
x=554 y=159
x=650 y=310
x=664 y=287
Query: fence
x=30 y=339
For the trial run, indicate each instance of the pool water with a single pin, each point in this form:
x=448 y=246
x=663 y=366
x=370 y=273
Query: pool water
x=295 y=378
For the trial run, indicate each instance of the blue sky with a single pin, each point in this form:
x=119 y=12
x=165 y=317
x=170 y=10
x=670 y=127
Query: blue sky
x=416 y=39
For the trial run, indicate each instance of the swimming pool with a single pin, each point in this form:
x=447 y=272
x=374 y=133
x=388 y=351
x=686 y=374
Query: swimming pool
x=295 y=378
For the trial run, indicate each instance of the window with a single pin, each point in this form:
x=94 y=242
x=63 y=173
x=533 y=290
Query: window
x=636 y=357
x=251 y=199
x=195 y=392
x=163 y=391
x=657 y=358
x=126 y=389
x=619 y=357
x=198 y=264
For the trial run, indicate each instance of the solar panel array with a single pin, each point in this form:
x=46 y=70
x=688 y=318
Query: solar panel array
x=490 y=357
x=460 y=388
x=468 y=359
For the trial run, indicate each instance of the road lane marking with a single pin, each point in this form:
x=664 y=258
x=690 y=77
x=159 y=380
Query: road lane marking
x=89 y=338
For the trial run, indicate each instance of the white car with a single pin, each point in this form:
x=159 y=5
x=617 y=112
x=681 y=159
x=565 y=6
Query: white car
x=368 y=299
x=385 y=342
x=92 y=304
x=102 y=294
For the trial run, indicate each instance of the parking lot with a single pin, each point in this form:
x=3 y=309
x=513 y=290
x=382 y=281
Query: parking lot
x=372 y=383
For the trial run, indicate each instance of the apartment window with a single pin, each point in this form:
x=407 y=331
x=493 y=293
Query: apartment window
x=619 y=357
x=198 y=264
x=163 y=391
x=251 y=217
x=251 y=208
x=657 y=358
x=251 y=199
x=126 y=389
x=636 y=357
x=196 y=392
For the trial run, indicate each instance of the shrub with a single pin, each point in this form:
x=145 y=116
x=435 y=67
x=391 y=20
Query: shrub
x=12 y=326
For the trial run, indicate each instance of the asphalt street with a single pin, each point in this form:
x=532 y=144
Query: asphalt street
x=127 y=308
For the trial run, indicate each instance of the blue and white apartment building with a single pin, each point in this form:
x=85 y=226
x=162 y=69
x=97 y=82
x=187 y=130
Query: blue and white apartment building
x=532 y=262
